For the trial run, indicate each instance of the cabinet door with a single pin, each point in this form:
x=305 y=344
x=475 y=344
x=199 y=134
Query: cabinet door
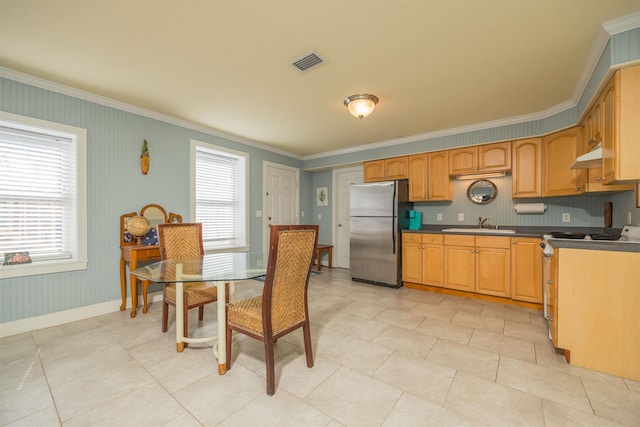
x=526 y=176
x=493 y=271
x=432 y=260
x=463 y=160
x=621 y=127
x=396 y=168
x=411 y=263
x=418 y=177
x=411 y=257
x=494 y=157
x=560 y=151
x=439 y=184
x=459 y=269
x=526 y=270
x=374 y=171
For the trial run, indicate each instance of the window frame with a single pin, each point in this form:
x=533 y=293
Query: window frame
x=78 y=260
x=243 y=245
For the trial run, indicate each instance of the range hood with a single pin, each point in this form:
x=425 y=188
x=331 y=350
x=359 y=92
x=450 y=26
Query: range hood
x=590 y=160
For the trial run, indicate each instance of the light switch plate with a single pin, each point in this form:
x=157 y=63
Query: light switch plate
x=439 y=217
x=460 y=216
x=258 y=214
x=566 y=217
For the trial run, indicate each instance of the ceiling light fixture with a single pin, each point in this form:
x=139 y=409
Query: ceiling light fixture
x=361 y=105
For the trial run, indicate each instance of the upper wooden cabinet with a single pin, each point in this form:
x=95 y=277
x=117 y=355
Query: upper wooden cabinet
x=386 y=169
x=429 y=177
x=526 y=161
x=560 y=150
x=621 y=127
x=480 y=158
x=592 y=134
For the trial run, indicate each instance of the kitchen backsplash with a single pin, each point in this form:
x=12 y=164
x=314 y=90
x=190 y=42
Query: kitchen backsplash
x=584 y=211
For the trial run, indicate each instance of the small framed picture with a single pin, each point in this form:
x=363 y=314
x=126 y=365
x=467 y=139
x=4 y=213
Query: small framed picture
x=12 y=258
x=322 y=196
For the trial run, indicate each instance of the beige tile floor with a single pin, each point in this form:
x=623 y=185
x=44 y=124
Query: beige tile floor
x=383 y=357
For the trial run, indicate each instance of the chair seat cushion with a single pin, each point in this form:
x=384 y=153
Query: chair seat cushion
x=247 y=314
x=197 y=292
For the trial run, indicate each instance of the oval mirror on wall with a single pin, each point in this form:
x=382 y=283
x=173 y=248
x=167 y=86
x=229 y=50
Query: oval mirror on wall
x=482 y=192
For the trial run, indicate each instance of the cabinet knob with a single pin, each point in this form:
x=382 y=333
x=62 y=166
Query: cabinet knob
x=599 y=178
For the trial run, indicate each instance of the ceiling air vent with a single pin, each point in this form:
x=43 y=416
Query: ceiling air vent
x=308 y=61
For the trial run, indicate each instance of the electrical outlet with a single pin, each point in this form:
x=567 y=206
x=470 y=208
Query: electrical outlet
x=258 y=214
x=319 y=216
x=439 y=217
x=628 y=218
x=302 y=214
x=566 y=217
x=460 y=216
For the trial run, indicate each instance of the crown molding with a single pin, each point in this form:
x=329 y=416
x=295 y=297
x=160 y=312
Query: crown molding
x=119 y=105
x=620 y=25
x=449 y=132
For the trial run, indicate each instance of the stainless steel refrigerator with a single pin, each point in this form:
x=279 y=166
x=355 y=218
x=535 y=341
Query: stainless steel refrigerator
x=378 y=211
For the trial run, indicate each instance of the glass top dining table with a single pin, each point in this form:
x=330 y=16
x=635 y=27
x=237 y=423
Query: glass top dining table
x=219 y=268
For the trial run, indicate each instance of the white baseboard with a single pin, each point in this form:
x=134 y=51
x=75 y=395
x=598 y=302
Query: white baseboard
x=54 y=319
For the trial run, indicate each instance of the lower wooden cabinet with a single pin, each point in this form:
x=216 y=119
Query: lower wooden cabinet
x=506 y=267
x=422 y=256
x=480 y=264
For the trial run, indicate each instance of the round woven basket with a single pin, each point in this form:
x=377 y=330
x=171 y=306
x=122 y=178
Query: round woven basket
x=138 y=226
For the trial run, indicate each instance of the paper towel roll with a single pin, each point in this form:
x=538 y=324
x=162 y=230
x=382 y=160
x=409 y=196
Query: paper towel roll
x=530 y=208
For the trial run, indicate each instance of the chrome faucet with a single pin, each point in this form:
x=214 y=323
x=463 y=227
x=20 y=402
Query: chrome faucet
x=482 y=222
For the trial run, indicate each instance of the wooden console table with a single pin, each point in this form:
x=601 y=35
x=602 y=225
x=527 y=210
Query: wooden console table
x=132 y=252
x=132 y=255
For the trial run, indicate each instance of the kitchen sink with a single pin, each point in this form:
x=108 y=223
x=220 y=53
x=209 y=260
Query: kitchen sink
x=479 y=230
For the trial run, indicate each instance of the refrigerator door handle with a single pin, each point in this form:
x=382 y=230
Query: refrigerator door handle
x=393 y=236
x=393 y=223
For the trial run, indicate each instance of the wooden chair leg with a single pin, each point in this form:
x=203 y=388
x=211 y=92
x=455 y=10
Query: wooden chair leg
x=201 y=313
x=306 y=332
x=185 y=317
x=229 y=341
x=269 y=360
x=165 y=316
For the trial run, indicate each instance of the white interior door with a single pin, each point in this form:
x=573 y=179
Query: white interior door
x=342 y=180
x=281 y=197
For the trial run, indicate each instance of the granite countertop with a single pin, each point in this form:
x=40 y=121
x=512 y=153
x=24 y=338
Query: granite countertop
x=538 y=232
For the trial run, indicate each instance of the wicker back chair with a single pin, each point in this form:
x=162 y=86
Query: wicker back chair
x=182 y=241
x=282 y=308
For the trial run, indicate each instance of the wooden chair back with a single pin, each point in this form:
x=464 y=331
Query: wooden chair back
x=180 y=240
x=284 y=298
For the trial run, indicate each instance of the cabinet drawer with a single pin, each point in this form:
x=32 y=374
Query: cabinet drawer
x=459 y=240
x=411 y=237
x=493 y=242
x=433 y=239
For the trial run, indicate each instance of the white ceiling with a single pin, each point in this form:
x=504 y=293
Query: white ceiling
x=435 y=65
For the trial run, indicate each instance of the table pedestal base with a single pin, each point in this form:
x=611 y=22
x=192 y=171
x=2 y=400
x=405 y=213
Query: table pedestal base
x=222 y=318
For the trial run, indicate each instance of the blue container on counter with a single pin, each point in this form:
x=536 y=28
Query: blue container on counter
x=415 y=220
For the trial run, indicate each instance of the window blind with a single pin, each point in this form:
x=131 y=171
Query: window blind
x=37 y=194
x=218 y=201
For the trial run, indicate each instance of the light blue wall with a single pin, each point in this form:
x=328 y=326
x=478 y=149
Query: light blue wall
x=116 y=186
